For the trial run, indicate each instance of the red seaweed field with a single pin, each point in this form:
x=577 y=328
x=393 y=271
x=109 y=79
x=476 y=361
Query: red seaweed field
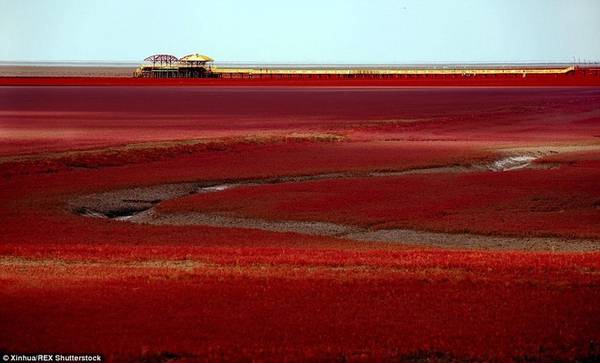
x=250 y=223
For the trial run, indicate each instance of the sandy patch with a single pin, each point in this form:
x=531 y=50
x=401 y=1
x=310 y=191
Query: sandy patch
x=155 y=145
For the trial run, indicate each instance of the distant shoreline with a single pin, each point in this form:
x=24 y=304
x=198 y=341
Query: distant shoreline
x=126 y=69
x=65 y=71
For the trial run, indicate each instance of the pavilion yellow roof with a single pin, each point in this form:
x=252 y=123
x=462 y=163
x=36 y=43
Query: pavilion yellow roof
x=196 y=58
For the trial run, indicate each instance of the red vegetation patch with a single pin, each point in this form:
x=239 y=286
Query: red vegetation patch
x=40 y=119
x=301 y=303
x=238 y=159
x=136 y=292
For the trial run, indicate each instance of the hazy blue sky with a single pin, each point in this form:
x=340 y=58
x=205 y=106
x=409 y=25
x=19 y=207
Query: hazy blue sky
x=318 y=31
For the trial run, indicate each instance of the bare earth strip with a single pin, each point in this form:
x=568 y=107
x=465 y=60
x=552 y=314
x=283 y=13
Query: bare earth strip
x=405 y=236
x=122 y=204
x=136 y=205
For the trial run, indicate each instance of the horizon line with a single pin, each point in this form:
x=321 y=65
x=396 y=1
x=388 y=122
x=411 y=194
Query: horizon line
x=130 y=62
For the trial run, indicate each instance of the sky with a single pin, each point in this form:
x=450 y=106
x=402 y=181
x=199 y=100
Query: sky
x=302 y=31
